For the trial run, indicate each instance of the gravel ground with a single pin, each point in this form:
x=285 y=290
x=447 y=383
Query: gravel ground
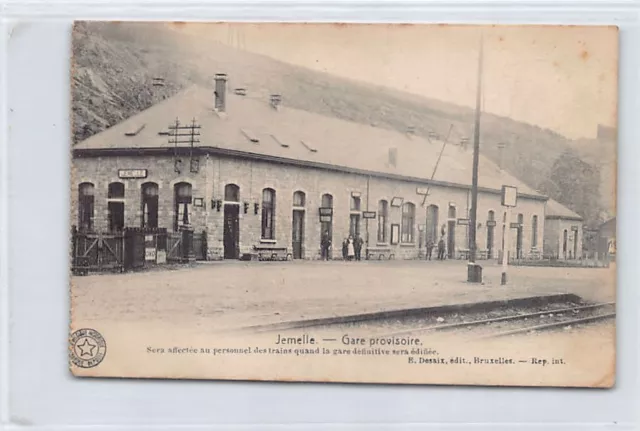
x=235 y=294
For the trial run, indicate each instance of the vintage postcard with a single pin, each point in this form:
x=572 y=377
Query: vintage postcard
x=408 y=204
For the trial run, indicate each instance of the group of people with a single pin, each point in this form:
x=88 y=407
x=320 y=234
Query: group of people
x=441 y=248
x=351 y=247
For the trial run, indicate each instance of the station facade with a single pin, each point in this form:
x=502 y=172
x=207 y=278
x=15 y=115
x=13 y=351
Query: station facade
x=255 y=178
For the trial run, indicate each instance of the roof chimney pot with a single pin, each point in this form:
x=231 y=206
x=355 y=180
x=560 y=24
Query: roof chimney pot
x=275 y=101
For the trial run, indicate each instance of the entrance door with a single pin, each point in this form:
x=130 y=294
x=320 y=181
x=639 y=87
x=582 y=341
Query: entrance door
x=297 y=233
x=451 y=239
x=490 y=242
x=519 y=244
x=575 y=244
x=116 y=216
x=231 y=231
x=354 y=225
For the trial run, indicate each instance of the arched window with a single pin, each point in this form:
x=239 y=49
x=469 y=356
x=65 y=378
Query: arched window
x=268 y=214
x=408 y=221
x=452 y=212
x=298 y=199
x=520 y=219
x=86 y=193
x=565 y=238
x=491 y=216
x=149 y=200
x=115 y=207
x=231 y=193
x=116 y=191
x=383 y=214
x=182 y=199
x=327 y=201
x=534 y=231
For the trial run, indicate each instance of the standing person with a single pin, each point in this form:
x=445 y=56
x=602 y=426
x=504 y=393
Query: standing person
x=441 y=249
x=358 y=247
x=345 y=248
x=430 y=245
x=325 y=245
x=350 y=249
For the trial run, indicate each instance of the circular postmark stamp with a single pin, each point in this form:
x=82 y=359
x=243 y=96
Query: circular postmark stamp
x=87 y=348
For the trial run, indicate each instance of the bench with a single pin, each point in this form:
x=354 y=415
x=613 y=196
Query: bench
x=266 y=252
x=379 y=253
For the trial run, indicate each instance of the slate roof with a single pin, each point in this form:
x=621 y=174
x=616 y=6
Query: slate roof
x=555 y=209
x=252 y=126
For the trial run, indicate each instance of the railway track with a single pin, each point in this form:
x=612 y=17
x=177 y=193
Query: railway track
x=571 y=320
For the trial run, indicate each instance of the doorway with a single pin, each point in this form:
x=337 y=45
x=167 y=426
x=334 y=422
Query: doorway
x=451 y=239
x=354 y=225
x=575 y=244
x=564 y=244
x=297 y=233
x=116 y=216
x=231 y=231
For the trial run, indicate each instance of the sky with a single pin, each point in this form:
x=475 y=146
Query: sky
x=561 y=78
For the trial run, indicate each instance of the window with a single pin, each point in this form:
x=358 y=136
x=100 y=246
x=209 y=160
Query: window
x=115 y=207
x=355 y=203
x=298 y=199
x=520 y=219
x=491 y=216
x=268 y=213
x=85 y=206
x=383 y=213
x=149 y=205
x=231 y=193
x=182 y=199
x=534 y=231
x=408 y=220
x=452 y=212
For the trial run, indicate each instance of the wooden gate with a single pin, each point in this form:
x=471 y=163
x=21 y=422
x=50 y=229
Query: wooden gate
x=174 y=247
x=97 y=251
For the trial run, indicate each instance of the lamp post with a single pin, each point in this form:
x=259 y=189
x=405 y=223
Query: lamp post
x=474 y=271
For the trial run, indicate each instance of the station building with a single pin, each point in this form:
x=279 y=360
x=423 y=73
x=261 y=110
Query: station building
x=255 y=173
x=563 y=232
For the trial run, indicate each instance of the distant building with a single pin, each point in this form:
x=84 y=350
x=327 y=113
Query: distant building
x=266 y=175
x=563 y=233
x=607 y=239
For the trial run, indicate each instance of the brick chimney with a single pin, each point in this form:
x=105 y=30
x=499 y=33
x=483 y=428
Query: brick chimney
x=220 y=96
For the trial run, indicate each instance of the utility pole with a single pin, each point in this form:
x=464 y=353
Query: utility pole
x=474 y=272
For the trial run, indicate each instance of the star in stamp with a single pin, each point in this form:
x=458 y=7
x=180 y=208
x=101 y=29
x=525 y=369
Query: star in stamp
x=87 y=348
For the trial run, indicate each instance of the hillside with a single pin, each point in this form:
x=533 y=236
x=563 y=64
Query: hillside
x=116 y=64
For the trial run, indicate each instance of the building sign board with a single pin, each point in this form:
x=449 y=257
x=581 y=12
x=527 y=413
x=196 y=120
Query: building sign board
x=397 y=201
x=574 y=228
x=368 y=214
x=325 y=219
x=150 y=254
x=509 y=196
x=132 y=173
x=463 y=221
x=491 y=223
x=514 y=225
x=422 y=190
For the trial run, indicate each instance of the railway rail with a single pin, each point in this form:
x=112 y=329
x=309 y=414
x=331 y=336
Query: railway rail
x=521 y=318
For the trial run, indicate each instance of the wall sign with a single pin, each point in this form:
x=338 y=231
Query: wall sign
x=132 y=173
x=463 y=221
x=422 y=190
x=198 y=202
x=397 y=201
x=368 y=214
x=574 y=228
x=509 y=196
x=395 y=233
x=326 y=211
x=515 y=225
x=491 y=223
x=325 y=219
x=356 y=194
